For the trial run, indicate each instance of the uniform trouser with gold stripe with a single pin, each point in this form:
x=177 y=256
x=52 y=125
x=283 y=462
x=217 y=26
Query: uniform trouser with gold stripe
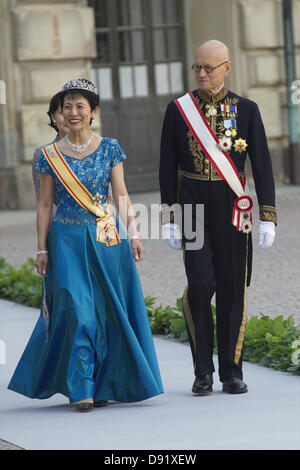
x=222 y=266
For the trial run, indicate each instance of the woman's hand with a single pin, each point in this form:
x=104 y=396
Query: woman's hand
x=41 y=264
x=137 y=250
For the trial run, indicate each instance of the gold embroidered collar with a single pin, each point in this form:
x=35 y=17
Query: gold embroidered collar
x=203 y=95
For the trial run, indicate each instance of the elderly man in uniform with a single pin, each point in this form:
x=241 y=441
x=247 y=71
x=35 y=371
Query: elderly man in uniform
x=206 y=137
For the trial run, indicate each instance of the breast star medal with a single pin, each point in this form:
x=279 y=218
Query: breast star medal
x=240 y=145
x=225 y=143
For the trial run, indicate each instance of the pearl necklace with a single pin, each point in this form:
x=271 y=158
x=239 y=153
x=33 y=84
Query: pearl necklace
x=79 y=148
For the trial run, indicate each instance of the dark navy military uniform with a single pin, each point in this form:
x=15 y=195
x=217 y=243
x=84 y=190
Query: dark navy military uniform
x=223 y=264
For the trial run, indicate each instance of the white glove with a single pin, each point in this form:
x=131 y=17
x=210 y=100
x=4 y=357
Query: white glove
x=266 y=234
x=171 y=232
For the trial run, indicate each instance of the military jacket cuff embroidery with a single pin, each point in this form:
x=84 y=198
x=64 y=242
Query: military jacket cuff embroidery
x=167 y=215
x=268 y=214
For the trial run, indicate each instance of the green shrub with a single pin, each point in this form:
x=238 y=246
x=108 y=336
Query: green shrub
x=21 y=285
x=168 y=321
x=270 y=342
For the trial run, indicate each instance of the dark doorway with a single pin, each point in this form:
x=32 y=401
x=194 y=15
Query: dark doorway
x=139 y=69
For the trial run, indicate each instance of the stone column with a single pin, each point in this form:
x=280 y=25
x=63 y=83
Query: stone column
x=213 y=19
x=263 y=71
x=9 y=148
x=46 y=43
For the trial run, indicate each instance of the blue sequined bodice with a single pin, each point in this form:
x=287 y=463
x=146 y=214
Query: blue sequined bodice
x=93 y=171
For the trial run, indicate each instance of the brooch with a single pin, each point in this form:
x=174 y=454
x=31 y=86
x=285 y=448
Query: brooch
x=50 y=151
x=97 y=198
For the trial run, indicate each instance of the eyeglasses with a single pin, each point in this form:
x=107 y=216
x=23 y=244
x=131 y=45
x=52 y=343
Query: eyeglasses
x=207 y=67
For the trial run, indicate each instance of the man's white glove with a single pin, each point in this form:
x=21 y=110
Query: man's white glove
x=171 y=232
x=266 y=234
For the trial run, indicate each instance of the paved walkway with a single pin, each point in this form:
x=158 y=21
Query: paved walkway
x=273 y=289
x=268 y=417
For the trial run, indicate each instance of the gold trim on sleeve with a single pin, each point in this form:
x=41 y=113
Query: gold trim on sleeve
x=268 y=214
x=167 y=215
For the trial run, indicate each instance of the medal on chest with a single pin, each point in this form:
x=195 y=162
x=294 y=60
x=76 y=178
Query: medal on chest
x=211 y=110
x=229 y=113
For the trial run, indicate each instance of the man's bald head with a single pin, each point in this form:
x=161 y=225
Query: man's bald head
x=216 y=54
x=213 y=49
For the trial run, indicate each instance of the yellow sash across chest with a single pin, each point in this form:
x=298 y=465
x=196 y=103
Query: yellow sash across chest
x=106 y=225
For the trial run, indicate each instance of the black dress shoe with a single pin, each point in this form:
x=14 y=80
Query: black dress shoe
x=203 y=385
x=234 y=385
x=100 y=403
x=84 y=406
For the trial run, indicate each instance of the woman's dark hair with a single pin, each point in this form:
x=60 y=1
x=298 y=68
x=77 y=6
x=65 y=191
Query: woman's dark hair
x=94 y=100
x=54 y=105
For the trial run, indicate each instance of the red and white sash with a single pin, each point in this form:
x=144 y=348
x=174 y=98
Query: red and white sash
x=206 y=138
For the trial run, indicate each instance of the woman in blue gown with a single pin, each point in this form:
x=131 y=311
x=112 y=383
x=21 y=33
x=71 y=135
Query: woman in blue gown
x=96 y=344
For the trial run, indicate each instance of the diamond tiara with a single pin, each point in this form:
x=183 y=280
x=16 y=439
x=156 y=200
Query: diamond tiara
x=80 y=84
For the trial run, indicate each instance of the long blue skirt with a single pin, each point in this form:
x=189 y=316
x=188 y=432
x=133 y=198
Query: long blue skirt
x=100 y=344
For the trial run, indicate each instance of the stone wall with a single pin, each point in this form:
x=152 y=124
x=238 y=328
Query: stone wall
x=253 y=31
x=263 y=70
x=46 y=43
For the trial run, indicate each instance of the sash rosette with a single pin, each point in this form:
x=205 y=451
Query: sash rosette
x=106 y=225
x=242 y=215
x=106 y=228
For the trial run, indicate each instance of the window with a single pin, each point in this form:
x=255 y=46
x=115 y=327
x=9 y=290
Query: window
x=139 y=48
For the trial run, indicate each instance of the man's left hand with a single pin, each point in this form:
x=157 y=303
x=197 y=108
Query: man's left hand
x=266 y=234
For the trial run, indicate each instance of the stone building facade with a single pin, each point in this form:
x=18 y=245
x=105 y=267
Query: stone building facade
x=45 y=43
